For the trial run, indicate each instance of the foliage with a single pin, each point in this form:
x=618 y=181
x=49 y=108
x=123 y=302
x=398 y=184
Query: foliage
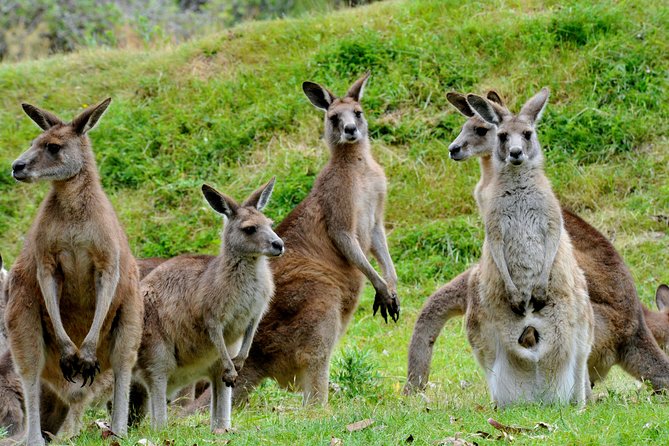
x=227 y=109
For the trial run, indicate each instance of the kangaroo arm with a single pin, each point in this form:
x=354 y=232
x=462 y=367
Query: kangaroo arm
x=552 y=243
x=496 y=248
x=382 y=254
x=50 y=288
x=107 y=274
x=215 y=331
x=348 y=244
x=247 y=340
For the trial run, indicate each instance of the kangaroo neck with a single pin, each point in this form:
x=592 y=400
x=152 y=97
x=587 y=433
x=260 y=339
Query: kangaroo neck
x=78 y=195
x=350 y=153
x=487 y=171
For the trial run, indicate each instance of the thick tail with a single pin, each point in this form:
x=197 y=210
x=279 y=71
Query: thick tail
x=447 y=302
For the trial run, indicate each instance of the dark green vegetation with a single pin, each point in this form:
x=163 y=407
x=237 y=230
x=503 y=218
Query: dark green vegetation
x=228 y=109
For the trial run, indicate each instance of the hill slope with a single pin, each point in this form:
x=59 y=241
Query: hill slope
x=228 y=109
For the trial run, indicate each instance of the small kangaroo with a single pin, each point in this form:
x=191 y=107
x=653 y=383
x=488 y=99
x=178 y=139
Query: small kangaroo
x=528 y=276
x=202 y=310
x=328 y=236
x=621 y=336
x=73 y=304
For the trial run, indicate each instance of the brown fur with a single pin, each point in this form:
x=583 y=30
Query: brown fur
x=79 y=251
x=319 y=279
x=621 y=335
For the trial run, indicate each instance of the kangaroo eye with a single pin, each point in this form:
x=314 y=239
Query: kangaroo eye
x=358 y=114
x=334 y=120
x=502 y=137
x=481 y=131
x=527 y=134
x=250 y=230
x=53 y=148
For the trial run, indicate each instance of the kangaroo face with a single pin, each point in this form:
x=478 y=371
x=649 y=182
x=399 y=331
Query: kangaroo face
x=517 y=143
x=250 y=234
x=55 y=155
x=477 y=138
x=345 y=122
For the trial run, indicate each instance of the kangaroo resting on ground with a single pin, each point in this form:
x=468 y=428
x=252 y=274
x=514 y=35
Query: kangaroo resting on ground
x=621 y=335
x=73 y=304
x=202 y=311
x=328 y=236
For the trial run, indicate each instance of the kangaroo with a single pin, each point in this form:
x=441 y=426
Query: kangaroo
x=3 y=303
x=527 y=264
x=73 y=304
x=621 y=335
x=202 y=310
x=328 y=235
x=658 y=321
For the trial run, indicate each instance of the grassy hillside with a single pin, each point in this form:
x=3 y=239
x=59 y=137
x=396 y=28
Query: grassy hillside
x=228 y=109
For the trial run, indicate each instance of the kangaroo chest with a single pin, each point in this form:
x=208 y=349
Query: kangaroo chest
x=524 y=222
x=367 y=197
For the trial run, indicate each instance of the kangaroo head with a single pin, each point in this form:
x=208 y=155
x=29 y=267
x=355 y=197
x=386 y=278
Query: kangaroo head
x=477 y=137
x=344 y=119
x=247 y=233
x=660 y=324
x=62 y=150
x=517 y=142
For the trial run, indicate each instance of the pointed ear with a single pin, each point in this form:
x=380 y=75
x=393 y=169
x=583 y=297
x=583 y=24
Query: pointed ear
x=0 y=261
x=260 y=197
x=356 y=90
x=318 y=95
x=220 y=202
x=662 y=297
x=44 y=119
x=534 y=107
x=459 y=101
x=89 y=117
x=488 y=111
x=493 y=96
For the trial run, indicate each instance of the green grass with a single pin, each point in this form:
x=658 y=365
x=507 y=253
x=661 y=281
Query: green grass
x=228 y=110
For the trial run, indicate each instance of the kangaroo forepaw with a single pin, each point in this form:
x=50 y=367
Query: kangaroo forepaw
x=69 y=365
x=89 y=368
x=389 y=304
x=229 y=377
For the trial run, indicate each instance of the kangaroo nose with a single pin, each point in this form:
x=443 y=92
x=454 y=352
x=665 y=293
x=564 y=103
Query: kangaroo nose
x=454 y=149
x=278 y=245
x=515 y=152
x=18 y=166
x=350 y=129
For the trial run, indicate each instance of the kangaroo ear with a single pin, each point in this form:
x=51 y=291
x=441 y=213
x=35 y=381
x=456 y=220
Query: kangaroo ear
x=0 y=261
x=534 y=107
x=356 y=90
x=318 y=95
x=89 y=117
x=260 y=197
x=493 y=96
x=44 y=119
x=220 y=202
x=662 y=297
x=459 y=101
x=490 y=112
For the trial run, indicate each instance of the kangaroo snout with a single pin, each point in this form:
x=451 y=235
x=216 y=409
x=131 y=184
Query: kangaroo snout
x=19 y=170
x=455 y=152
x=277 y=247
x=516 y=156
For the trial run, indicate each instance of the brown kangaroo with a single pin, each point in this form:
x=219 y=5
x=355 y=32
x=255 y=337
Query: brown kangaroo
x=73 y=304
x=328 y=236
x=621 y=334
x=202 y=311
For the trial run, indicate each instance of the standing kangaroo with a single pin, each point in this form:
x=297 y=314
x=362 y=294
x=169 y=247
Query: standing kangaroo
x=621 y=335
x=201 y=311
x=534 y=328
x=73 y=304
x=328 y=236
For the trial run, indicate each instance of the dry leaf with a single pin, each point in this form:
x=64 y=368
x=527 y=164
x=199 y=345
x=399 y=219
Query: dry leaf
x=334 y=441
x=454 y=441
x=359 y=425
x=114 y=443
